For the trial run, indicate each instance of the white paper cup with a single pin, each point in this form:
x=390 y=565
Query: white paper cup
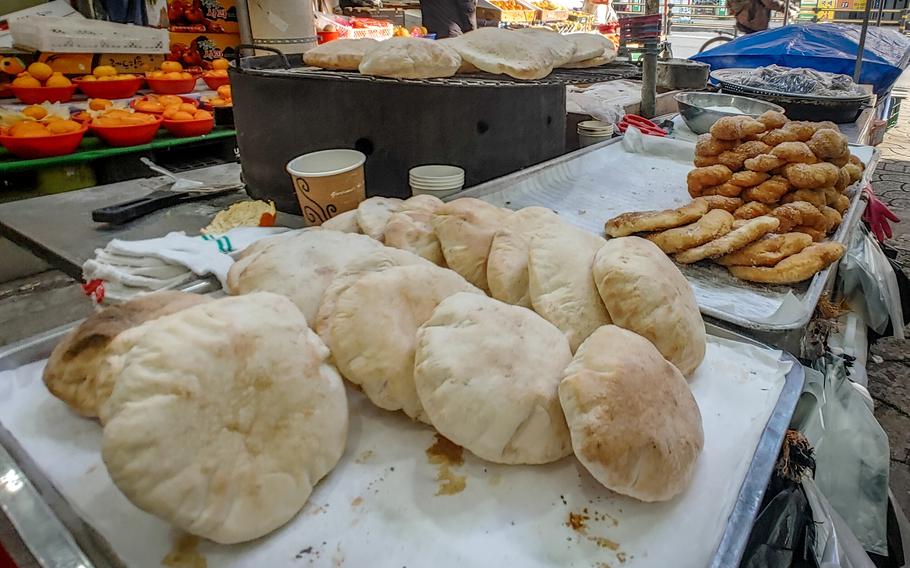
x=436 y=171
x=440 y=193
x=327 y=183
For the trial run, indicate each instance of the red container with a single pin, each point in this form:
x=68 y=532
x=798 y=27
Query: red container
x=29 y=148
x=190 y=100
x=116 y=89
x=171 y=86
x=187 y=128
x=131 y=135
x=215 y=82
x=37 y=95
x=322 y=37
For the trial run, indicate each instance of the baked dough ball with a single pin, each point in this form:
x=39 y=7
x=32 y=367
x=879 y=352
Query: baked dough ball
x=500 y=51
x=224 y=416
x=560 y=284
x=373 y=330
x=465 y=228
x=634 y=423
x=410 y=58
x=345 y=222
x=342 y=54
x=645 y=293
x=487 y=374
x=300 y=267
x=507 y=266
x=73 y=372
x=374 y=213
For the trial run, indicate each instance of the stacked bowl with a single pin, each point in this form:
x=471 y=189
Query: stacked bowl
x=437 y=180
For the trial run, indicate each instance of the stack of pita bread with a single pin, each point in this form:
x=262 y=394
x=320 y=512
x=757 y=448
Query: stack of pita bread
x=513 y=334
x=526 y=54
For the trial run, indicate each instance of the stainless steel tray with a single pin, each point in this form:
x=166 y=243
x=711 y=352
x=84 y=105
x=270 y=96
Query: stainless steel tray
x=57 y=536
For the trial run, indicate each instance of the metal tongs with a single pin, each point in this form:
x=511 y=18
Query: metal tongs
x=180 y=190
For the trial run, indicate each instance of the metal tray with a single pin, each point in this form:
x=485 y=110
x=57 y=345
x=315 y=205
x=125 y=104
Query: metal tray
x=728 y=78
x=555 y=193
x=57 y=536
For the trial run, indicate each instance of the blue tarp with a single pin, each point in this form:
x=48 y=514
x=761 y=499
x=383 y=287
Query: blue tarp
x=823 y=47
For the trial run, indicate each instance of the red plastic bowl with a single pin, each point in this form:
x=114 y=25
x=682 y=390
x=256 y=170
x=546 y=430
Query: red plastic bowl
x=29 y=148
x=190 y=100
x=131 y=135
x=37 y=95
x=215 y=82
x=116 y=89
x=171 y=86
x=187 y=128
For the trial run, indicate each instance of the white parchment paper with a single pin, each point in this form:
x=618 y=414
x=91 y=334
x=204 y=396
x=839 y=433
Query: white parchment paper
x=379 y=507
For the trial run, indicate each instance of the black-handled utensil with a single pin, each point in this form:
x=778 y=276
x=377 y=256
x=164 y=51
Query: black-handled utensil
x=130 y=210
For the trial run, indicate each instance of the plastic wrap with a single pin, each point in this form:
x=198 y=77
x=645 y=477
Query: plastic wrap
x=833 y=544
x=801 y=81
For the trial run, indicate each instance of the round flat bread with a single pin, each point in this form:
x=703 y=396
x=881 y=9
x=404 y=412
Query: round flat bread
x=465 y=229
x=374 y=213
x=504 y=52
x=300 y=267
x=560 y=283
x=413 y=231
x=224 y=416
x=561 y=49
x=373 y=330
x=487 y=373
x=634 y=423
x=646 y=293
x=422 y=202
x=345 y=222
x=342 y=54
x=73 y=372
x=410 y=58
x=507 y=265
x=589 y=45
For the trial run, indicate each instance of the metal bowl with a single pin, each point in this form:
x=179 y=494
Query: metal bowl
x=696 y=108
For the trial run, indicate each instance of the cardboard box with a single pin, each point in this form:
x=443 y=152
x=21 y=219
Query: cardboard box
x=202 y=16
x=199 y=50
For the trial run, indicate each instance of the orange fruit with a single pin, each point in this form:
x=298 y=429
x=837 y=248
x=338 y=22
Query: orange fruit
x=220 y=63
x=117 y=113
x=99 y=104
x=168 y=100
x=58 y=80
x=149 y=106
x=202 y=115
x=173 y=76
x=169 y=113
x=181 y=115
x=106 y=121
x=40 y=71
x=51 y=118
x=26 y=81
x=156 y=75
x=64 y=126
x=104 y=71
x=126 y=76
x=35 y=111
x=218 y=102
x=89 y=78
x=188 y=107
x=186 y=75
x=28 y=129
x=109 y=78
x=224 y=91
x=171 y=66
x=217 y=74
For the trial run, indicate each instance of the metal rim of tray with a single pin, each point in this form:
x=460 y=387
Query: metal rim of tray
x=721 y=76
x=47 y=525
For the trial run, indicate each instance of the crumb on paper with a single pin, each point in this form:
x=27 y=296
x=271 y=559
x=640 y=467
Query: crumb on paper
x=621 y=556
x=577 y=521
x=444 y=451
x=357 y=502
x=582 y=211
x=604 y=542
x=449 y=483
x=184 y=554
x=338 y=557
x=495 y=479
x=364 y=457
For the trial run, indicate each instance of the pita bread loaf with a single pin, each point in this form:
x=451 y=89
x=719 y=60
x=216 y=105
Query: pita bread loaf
x=465 y=229
x=589 y=45
x=589 y=63
x=345 y=222
x=224 y=417
x=73 y=372
x=560 y=283
x=487 y=372
x=504 y=52
x=373 y=330
x=634 y=423
x=422 y=202
x=374 y=213
x=300 y=267
x=507 y=266
x=342 y=54
x=561 y=49
x=413 y=231
x=375 y=261
x=410 y=58
x=646 y=293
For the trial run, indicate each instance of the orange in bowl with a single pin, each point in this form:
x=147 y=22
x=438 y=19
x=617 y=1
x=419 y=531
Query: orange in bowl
x=126 y=129
x=39 y=141
x=183 y=124
x=109 y=86
x=170 y=85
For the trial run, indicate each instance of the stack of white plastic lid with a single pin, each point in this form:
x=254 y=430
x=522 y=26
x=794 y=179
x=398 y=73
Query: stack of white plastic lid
x=437 y=180
x=593 y=131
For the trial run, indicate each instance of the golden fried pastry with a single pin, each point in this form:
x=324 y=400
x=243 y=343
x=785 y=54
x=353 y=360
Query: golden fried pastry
x=843 y=180
x=815 y=234
x=642 y=221
x=732 y=159
x=801 y=129
x=716 y=223
x=724 y=190
x=752 y=210
x=856 y=172
x=855 y=160
x=811 y=176
x=801 y=266
x=737 y=223
x=728 y=204
x=708 y=146
x=827 y=143
x=779 y=136
x=814 y=196
x=773 y=119
x=736 y=127
x=748 y=178
x=769 y=191
x=794 y=153
x=840 y=161
x=732 y=241
x=832 y=217
x=704 y=161
x=763 y=163
x=837 y=201
x=709 y=176
x=768 y=250
x=799 y=213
